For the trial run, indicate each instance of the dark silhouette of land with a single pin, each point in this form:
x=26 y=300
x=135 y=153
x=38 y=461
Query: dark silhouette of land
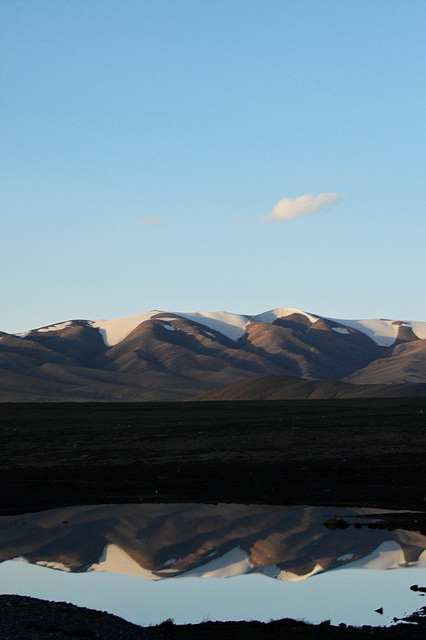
x=340 y=452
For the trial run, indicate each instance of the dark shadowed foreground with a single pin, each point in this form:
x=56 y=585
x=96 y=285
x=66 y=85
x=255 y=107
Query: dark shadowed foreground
x=342 y=452
x=317 y=452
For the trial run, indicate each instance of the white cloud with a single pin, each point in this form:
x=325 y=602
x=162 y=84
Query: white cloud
x=288 y=209
x=151 y=220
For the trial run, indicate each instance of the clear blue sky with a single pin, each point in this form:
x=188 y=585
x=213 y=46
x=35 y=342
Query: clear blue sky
x=146 y=145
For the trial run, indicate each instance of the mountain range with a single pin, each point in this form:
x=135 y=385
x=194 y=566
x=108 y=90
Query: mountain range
x=157 y=356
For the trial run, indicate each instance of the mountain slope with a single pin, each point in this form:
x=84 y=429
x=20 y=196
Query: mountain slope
x=287 y=388
x=167 y=355
x=407 y=362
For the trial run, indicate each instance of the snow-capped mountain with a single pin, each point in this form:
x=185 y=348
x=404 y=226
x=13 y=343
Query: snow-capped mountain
x=234 y=326
x=161 y=355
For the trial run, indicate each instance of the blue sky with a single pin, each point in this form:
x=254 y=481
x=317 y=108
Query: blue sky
x=194 y=155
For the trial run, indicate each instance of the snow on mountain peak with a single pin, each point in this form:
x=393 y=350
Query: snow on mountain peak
x=114 y=331
x=234 y=326
x=382 y=332
x=55 y=327
x=231 y=325
x=274 y=314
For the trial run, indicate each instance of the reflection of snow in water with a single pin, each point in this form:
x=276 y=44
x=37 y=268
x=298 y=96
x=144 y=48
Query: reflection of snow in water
x=389 y=555
x=194 y=539
x=116 y=560
x=288 y=576
x=233 y=563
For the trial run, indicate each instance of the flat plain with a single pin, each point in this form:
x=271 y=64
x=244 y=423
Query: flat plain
x=365 y=452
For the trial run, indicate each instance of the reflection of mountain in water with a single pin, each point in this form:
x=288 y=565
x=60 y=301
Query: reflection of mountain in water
x=162 y=541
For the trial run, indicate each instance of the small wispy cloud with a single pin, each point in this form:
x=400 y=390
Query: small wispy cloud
x=290 y=208
x=152 y=220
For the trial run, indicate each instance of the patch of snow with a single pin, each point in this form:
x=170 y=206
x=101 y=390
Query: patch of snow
x=233 y=563
x=341 y=330
x=59 y=566
x=419 y=329
x=274 y=314
x=22 y=335
x=289 y=576
x=171 y=572
x=167 y=326
x=169 y=562
x=383 y=332
x=114 y=331
x=231 y=325
x=115 y=560
x=345 y=557
x=21 y=559
x=55 y=327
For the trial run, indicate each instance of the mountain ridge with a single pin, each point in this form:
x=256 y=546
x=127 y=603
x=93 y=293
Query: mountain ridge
x=163 y=355
x=383 y=331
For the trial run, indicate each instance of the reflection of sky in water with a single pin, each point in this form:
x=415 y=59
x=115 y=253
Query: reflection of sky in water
x=162 y=540
x=343 y=595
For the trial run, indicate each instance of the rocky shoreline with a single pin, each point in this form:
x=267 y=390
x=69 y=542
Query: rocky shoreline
x=23 y=618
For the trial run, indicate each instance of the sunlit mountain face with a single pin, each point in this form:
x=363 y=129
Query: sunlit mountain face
x=161 y=355
x=165 y=541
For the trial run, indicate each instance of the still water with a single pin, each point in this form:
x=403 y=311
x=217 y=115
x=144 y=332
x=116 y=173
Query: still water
x=144 y=562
